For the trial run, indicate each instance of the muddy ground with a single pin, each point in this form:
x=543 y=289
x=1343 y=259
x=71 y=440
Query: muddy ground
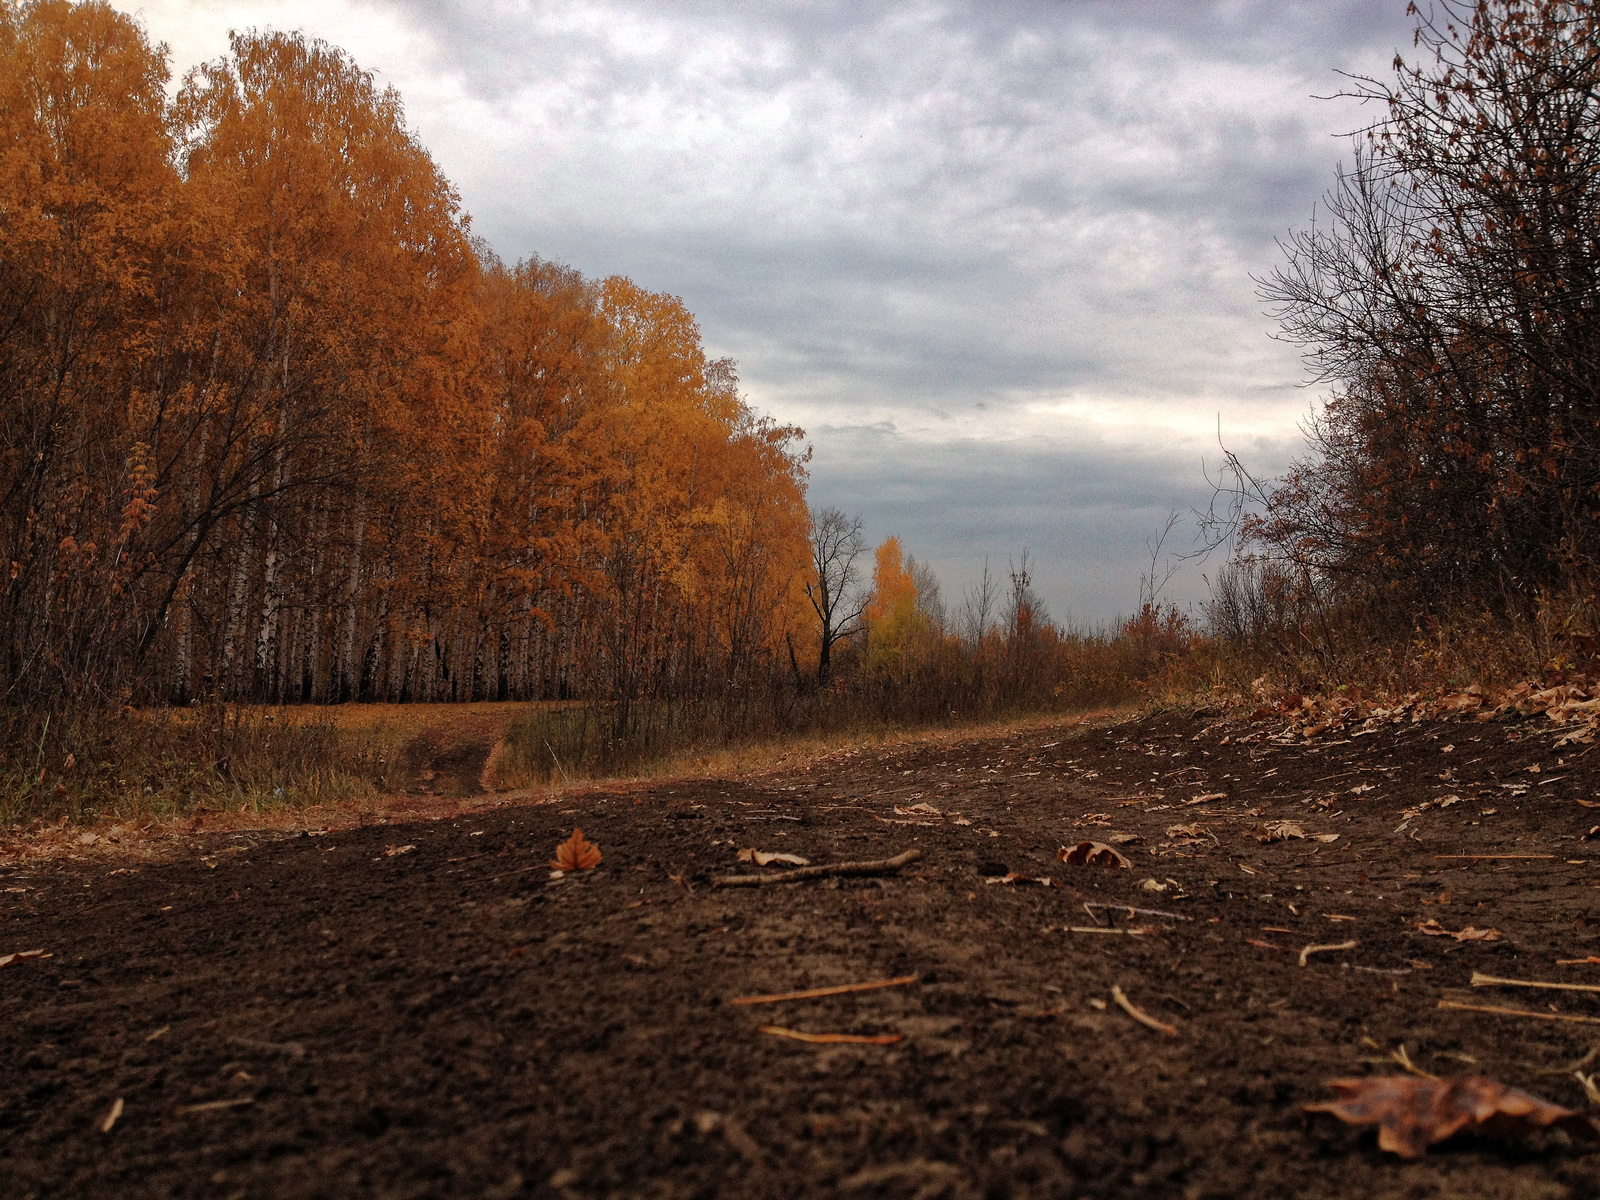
x=418 y=1010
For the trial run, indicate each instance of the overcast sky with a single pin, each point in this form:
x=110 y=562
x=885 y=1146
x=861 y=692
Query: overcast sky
x=995 y=258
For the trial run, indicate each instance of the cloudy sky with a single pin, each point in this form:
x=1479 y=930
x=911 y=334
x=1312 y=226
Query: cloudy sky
x=995 y=258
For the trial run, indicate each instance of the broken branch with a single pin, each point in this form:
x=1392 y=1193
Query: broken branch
x=886 y=866
x=1140 y=1015
x=814 y=993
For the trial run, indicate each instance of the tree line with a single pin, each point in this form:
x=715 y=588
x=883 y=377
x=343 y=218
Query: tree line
x=275 y=426
x=1449 y=296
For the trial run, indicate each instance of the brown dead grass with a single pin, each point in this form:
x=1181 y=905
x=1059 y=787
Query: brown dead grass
x=160 y=837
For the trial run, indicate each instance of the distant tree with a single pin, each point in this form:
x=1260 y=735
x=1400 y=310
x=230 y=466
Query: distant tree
x=930 y=597
x=977 y=608
x=836 y=546
x=894 y=616
x=1450 y=299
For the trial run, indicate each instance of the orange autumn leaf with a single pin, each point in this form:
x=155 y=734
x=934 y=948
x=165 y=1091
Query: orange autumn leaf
x=1413 y=1114
x=575 y=854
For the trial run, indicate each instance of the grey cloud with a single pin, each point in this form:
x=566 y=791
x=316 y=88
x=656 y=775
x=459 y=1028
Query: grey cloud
x=1084 y=516
x=894 y=213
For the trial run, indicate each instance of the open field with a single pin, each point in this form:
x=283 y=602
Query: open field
x=416 y=1009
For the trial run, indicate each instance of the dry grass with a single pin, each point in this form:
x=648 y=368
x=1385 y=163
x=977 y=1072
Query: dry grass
x=153 y=836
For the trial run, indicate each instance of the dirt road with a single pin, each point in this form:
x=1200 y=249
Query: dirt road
x=418 y=1010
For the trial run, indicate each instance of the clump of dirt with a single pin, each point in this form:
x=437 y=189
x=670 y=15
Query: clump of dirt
x=421 y=1010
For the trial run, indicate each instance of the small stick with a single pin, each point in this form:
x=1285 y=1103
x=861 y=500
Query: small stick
x=1139 y=1015
x=1107 y=929
x=834 y=1039
x=1574 y=962
x=1479 y=979
x=1143 y=912
x=1457 y=1006
x=881 y=867
x=814 y=993
x=1308 y=951
x=111 y=1117
x=1476 y=857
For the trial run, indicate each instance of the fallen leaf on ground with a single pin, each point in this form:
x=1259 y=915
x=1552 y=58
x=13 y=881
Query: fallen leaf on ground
x=1207 y=796
x=1123 y=839
x=918 y=810
x=21 y=956
x=1432 y=928
x=1280 y=831
x=575 y=854
x=1195 y=830
x=1093 y=853
x=762 y=857
x=1152 y=885
x=1413 y=1114
x=393 y=851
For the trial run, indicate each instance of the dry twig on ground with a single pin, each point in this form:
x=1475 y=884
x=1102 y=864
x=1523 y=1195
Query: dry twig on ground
x=815 y=993
x=1535 y=1014
x=834 y=1039
x=1479 y=979
x=1140 y=1015
x=885 y=866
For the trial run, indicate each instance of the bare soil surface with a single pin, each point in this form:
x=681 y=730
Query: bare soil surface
x=419 y=1010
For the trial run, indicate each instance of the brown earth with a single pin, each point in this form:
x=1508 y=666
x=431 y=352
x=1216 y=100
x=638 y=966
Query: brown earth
x=418 y=1010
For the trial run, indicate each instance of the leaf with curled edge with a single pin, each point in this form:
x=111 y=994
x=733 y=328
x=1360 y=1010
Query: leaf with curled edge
x=1432 y=928
x=762 y=857
x=575 y=854
x=1093 y=854
x=1412 y=1114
